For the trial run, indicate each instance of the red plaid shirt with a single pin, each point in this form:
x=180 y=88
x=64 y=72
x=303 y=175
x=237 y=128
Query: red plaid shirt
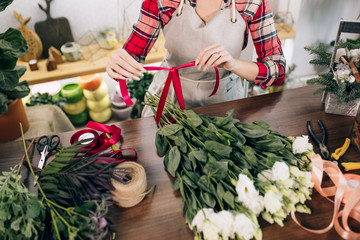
x=258 y=17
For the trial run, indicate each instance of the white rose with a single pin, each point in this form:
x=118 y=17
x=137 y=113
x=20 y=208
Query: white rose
x=224 y=221
x=265 y=176
x=244 y=227
x=273 y=200
x=199 y=218
x=210 y=230
x=301 y=144
x=280 y=171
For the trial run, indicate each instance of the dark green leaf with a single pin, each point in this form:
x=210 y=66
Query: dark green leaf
x=4 y=4
x=250 y=155
x=20 y=91
x=262 y=124
x=12 y=46
x=198 y=155
x=218 y=148
x=193 y=119
x=172 y=160
x=161 y=144
x=189 y=182
x=270 y=145
x=208 y=199
x=205 y=184
x=169 y=129
x=252 y=130
x=193 y=201
x=217 y=170
x=176 y=184
x=34 y=208
x=221 y=121
x=229 y=199
x=181 y=142
x=220 y=191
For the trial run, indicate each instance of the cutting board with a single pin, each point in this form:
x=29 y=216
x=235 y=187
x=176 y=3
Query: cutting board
x=53 y=31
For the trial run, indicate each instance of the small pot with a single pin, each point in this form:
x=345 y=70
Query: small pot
x=10 y=121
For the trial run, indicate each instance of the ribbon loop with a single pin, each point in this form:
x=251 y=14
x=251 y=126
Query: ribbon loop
x=173 y=77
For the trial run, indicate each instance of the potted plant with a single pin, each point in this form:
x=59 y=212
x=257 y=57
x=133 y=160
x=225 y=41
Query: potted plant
x=340 y=85
x=12 y=46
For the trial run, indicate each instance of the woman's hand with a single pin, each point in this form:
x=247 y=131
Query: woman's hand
x=122 y=65
x=215 y=55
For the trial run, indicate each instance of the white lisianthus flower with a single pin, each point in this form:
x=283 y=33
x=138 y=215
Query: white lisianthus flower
x=248 y=194
x=301 y=144
x=295 y=171
x=224 y=220
x=244 y=227
x=280 y=171
x=273 y=200
x=265 y=176
x=287 y=183
x=210 y=230
x=200 y=217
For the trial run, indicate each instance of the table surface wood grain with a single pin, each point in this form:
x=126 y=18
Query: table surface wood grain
x=159 y=215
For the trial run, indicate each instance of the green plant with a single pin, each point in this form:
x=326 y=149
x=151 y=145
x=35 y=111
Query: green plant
x=342 y=88
x=12 y=46
x=137 y=89
x=46 y=98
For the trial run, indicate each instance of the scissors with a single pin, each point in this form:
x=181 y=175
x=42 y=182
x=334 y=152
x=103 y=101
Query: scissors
x=324 y=151
x=45 y=145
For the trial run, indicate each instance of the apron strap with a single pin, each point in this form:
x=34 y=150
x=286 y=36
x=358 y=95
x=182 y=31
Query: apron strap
x=233 y=18
x=180 y=7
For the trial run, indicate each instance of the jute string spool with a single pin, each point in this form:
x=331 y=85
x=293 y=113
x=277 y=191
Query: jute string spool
x=133 y=191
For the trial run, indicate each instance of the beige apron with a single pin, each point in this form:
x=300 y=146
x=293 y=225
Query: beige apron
x=185 y=36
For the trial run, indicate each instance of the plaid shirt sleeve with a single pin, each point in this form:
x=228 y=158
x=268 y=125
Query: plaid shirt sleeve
x=271 y=61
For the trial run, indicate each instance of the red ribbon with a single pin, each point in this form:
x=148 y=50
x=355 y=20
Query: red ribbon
x=175 y=78
x=342 y=193
x=101 y=142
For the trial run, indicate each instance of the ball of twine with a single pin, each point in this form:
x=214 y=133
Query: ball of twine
x=133 y=191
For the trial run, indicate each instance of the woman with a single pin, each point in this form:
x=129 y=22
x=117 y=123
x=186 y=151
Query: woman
x=211 y=33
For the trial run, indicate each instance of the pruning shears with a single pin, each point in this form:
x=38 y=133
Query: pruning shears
x=324 y=151
x=341 y=162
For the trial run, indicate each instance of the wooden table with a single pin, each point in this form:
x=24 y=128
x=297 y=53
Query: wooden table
x=159 y=215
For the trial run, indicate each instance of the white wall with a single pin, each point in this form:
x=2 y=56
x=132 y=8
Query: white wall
x=83 y=15
x=318 y=22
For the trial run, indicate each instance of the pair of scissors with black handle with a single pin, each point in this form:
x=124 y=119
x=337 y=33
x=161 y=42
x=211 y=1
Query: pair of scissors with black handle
x=324 y=151
x=45 y=145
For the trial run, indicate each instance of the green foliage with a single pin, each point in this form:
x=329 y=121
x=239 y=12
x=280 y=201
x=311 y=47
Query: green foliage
x=137 y=89
x=21 y=213
x=322 y=54
x=12 y=46
x=46 y=98
x=73 y=178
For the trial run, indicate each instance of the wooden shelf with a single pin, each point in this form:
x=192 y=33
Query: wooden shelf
x=285 y=31
x=95 y=64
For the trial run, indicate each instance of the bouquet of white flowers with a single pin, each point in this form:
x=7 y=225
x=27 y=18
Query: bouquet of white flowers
x=229 y=173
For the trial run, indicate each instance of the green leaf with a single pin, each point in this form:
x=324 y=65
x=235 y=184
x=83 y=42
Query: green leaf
x=252 y=130
x=16 y=208
x=221 y=121
x=208 y=199
x=193 y=201
x=170 y=129
x=229 y=199
x=250 y=155
x=15 y=225
x=4 y=4
x=270 y=145
x=217 y=170
x=193 y=119
x=12 y=46
x=218 y=148
x=161 y=144
x=189 y=182
x=198 y=155
x=220 y=192
x=181 y=142
x=176 y=184
x=262 y=124
x=172 y=160
x=205 y=184
x=19 y=91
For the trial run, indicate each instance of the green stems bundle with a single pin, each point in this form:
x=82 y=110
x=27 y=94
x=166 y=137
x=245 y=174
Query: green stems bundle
x=226 y=171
